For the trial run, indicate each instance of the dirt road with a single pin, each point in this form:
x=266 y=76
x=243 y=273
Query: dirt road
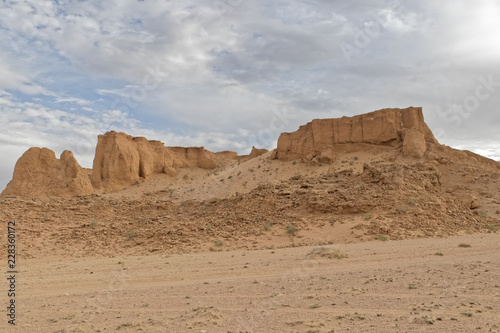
x=421 y=285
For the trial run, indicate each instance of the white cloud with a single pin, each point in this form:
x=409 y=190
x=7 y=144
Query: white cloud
x=78 y=101
x=484 y=148
x=26 y=124
x=215 y=73
x=13 y=80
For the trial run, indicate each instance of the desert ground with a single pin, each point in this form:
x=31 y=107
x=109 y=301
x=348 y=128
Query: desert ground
x=446 y=284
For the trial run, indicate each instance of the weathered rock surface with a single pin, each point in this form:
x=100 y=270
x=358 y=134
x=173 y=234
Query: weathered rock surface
x=414 y=144
x=257 y=152
x=317 y=139
x=469 y=201
x=122 y=160
x=39 y=173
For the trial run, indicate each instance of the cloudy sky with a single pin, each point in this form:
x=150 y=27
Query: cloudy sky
x=229 y=74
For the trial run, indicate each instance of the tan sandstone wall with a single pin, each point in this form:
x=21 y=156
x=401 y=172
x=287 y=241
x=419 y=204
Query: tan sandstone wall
x=39 y=173
x=318 y=138
x=122 y=160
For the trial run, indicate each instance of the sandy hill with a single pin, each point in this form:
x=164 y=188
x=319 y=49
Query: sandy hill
x=378 y=175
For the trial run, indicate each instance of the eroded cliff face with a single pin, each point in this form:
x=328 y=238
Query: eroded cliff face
x=122 y=160
x=317 y=139
x=40 y=173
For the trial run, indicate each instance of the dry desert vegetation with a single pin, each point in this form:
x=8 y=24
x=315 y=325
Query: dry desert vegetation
x=360 y=224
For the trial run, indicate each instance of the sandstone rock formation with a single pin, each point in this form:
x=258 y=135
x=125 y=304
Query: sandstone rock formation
x=39 y=173
x=316 y=140
x=469 y=201
x=122 y=160
x=414 y=144
x=257 y=152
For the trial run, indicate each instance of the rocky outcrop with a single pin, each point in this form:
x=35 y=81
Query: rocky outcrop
x=414 y=144
x=39 y=173
x=468 y=201
x=316 y=140
x=257 y=152
x=122 y=160
x=193 y=157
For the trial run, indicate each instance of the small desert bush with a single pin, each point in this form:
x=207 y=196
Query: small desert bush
x=401 y=209
x=291 y=229
x=124 y=325
x=324 y=252
x=132 y=234
x=464 y=245
x=268 y=225
x=493 y=228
